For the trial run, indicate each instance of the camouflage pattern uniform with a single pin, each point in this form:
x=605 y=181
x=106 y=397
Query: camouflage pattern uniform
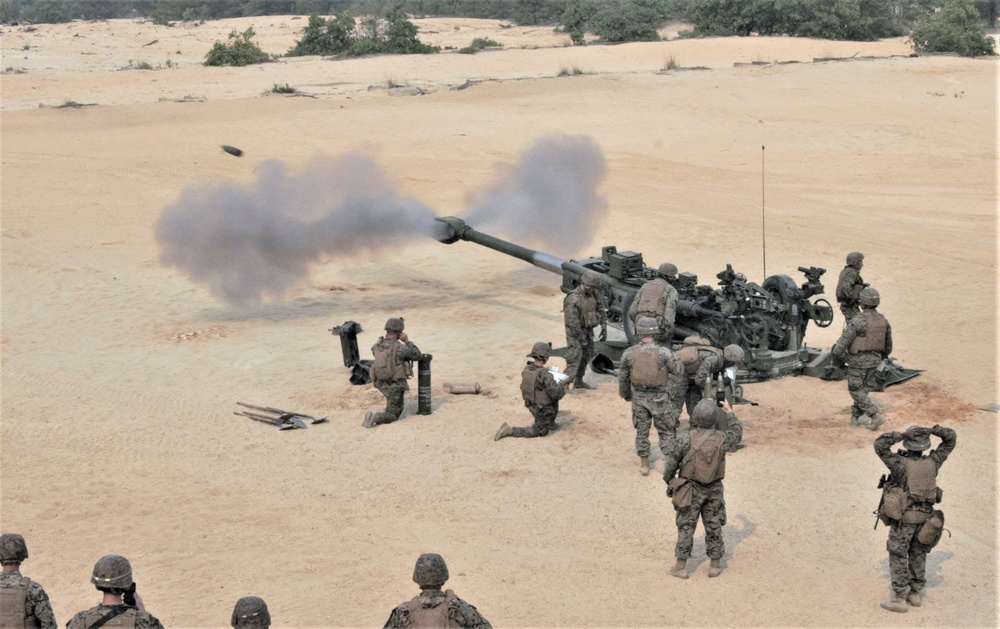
x=710 y=363
x=848 y=287
x=429 y=604
x=544 y=414
x=664 y=319
x=37 y=609
x=907 y=556
x=577 y=308
x=653 y=405
x=862 y=364
x=128 y=616
x=393 y=390
x=707 y=500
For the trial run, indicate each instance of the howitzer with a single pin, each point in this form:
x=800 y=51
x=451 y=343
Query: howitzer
x=767 y=320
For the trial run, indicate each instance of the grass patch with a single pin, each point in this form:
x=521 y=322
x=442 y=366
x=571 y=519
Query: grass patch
x=574 y=71
x=283 y=89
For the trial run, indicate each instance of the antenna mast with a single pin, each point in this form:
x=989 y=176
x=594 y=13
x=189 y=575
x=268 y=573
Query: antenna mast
x=763 y=233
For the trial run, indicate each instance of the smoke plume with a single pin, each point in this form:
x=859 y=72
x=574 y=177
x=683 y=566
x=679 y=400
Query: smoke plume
x=251 y=241
x=548 y=199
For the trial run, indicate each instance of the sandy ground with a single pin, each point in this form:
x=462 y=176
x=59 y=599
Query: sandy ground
x=117 y=427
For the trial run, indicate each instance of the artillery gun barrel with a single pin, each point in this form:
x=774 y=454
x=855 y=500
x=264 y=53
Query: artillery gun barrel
x=453 y=229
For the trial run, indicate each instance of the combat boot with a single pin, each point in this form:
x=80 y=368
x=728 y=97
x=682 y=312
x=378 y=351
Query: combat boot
x=679 y=570
x=877 y=420
x=369 y=420
x=715 y=568
x=644 y=465
x=895 y=604
x=580 y=384
x=504 y=431
x=914 y=598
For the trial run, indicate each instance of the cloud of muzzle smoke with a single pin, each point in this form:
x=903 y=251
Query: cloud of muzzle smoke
x=548 y=199
x=250 y=241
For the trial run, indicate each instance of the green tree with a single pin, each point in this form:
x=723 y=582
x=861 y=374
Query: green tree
x=627 y=20
x=51 y=11
x=576 y=19
x=240 y=50
x=325 y=37
x=955 y=28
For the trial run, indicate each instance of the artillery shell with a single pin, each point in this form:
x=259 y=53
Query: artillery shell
x=232 y=150
x=457 y=388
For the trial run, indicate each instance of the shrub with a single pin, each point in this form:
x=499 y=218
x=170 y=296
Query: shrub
x=283 y=89
x=391 y=33
x=829 y=19
x=325 y=37
x=955 y=28
x=239 y=51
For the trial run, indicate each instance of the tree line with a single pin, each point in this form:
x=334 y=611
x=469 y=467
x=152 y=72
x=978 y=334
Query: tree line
x=933 y=25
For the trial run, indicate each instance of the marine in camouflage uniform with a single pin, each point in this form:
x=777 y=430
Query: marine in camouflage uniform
x=541 y=396
x=865 y=342
x=850 y=285
x=583 y=310
x=652 y=378
x=398 y=352
x=702 y=364
x=23 y=602
x=658 y=299
x=916 y=475
x=695 y=468
x=113 y=576
x=433 y=607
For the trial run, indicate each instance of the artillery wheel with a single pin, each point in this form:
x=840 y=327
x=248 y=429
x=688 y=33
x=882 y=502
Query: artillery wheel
x=823 y=323
x=784 y=289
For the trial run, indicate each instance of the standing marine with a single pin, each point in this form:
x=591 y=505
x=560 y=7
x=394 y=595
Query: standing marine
x=251 y=612
x=652 y=378
x=541 y=396
x=393 y=366
x=658 y=299
x=850 y=285
x=583 y=310
x=908 y=499
x=694 y=472
x=23 y=602
x=433 y=607
x=703 y=363
x=113 y=576
x=864 y=344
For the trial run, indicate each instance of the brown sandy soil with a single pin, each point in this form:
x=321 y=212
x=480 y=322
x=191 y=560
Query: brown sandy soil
x=117 y=426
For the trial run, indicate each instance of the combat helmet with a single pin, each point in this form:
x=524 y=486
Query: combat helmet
x=917 y=445
x=869 y=297
x=541 y=350
x=854 y=257
x=591 y=279
x=667 y=270
x=647 y=326
x=430 y=571
x=703 y=415
x=395 y=324
x=733 y=354
x=12 y=549
x=251 y=612
x=111 y=573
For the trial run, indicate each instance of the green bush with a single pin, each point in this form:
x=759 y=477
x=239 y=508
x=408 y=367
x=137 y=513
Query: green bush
x=615 y=21
x=482 y=43
x=955 y=28
x=390 y=33
x=858 y=20
x=239 y=51
x=283 y=89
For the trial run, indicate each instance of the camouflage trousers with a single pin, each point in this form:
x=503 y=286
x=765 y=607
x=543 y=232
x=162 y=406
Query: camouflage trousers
x=861 y=380
x=545 y=420
x=654 y=408
x=708 y=502
x=849 y=312
x=695 y=392
x=907 y=558
x=579 y=351
x=393 y=390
